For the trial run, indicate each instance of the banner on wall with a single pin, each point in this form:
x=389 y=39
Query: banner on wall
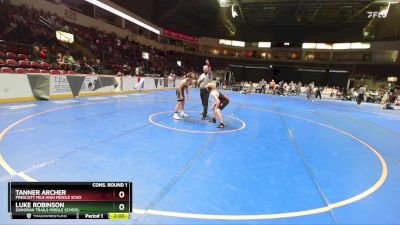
x=104 y=82
x=156 y=82
x=128 y=83
x=161 y=82
x=40 y=86
x=88 y=84
x=140 y=83
x=59 y=85
x=75 y=84
x=181 y=36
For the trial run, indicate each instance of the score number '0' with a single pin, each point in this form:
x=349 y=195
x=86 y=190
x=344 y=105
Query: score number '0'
x=121 y=194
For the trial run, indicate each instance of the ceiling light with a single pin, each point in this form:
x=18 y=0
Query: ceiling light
x=264 y=44
x=309 y=45
x=341 y=46
x=123 y=15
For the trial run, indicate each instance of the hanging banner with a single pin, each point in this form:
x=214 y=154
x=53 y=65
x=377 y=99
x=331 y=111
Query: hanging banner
x=40 y=86
x=180 y=36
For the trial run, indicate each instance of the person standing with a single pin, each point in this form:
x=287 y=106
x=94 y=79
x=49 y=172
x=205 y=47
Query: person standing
x=281 y=87
x=318 y=92
x=361 y=93
x=220 y=102
x=180 y=95
x=298 y=88
x=204 y=79
x=310 y=90
x=272 y=84
x=263 y=84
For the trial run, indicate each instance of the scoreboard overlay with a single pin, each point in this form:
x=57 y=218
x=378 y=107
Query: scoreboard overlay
x=70 y=200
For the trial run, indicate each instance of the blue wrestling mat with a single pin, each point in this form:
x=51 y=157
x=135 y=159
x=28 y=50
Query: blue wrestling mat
x=279 y=160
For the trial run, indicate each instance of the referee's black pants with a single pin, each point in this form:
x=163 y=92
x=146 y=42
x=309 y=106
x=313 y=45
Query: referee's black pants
x=360 y=98
x=318 y=94
x=204 y=94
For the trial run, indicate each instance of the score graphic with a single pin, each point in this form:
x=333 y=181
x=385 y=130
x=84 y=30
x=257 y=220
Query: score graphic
x=70 y=200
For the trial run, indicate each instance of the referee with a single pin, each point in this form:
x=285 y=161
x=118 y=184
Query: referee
x=361 y=93
x=204 y=79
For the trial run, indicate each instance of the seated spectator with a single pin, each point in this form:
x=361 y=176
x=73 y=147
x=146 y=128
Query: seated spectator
x=127 y=69
x=98 y=67
x=43 y=53
x=35 y=55
x=60 y=60
x=391 y=101
x=83 y=67
x=69 y=61
x=51 y=57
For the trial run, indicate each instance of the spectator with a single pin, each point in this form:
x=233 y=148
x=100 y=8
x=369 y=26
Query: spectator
x=281 y=86
x=286 y=88
x=310 y=89
x=292 y=87
x=98 y=68
x=333 y=92
x=83 y=67
x=272 y=84
x=35 y=55
x=43 y=53
x=263 y=84
x=60 y=60
x=217 y=81
x=69 y=61
x=391 y=101
x=51 y=57
x=127 y=69
x=318 y=92
x=298 y=88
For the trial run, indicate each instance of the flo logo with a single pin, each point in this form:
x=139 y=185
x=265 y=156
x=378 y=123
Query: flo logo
x=381 y=15
x=28 y=215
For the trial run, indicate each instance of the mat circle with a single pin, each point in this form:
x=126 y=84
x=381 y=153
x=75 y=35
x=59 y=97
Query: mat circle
x=243 y=125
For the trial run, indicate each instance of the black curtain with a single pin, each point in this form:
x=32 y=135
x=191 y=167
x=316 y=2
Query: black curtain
x=255 y=74
x=238 y=73
x=320 y=78
x=338 y=79
x=285 y=73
